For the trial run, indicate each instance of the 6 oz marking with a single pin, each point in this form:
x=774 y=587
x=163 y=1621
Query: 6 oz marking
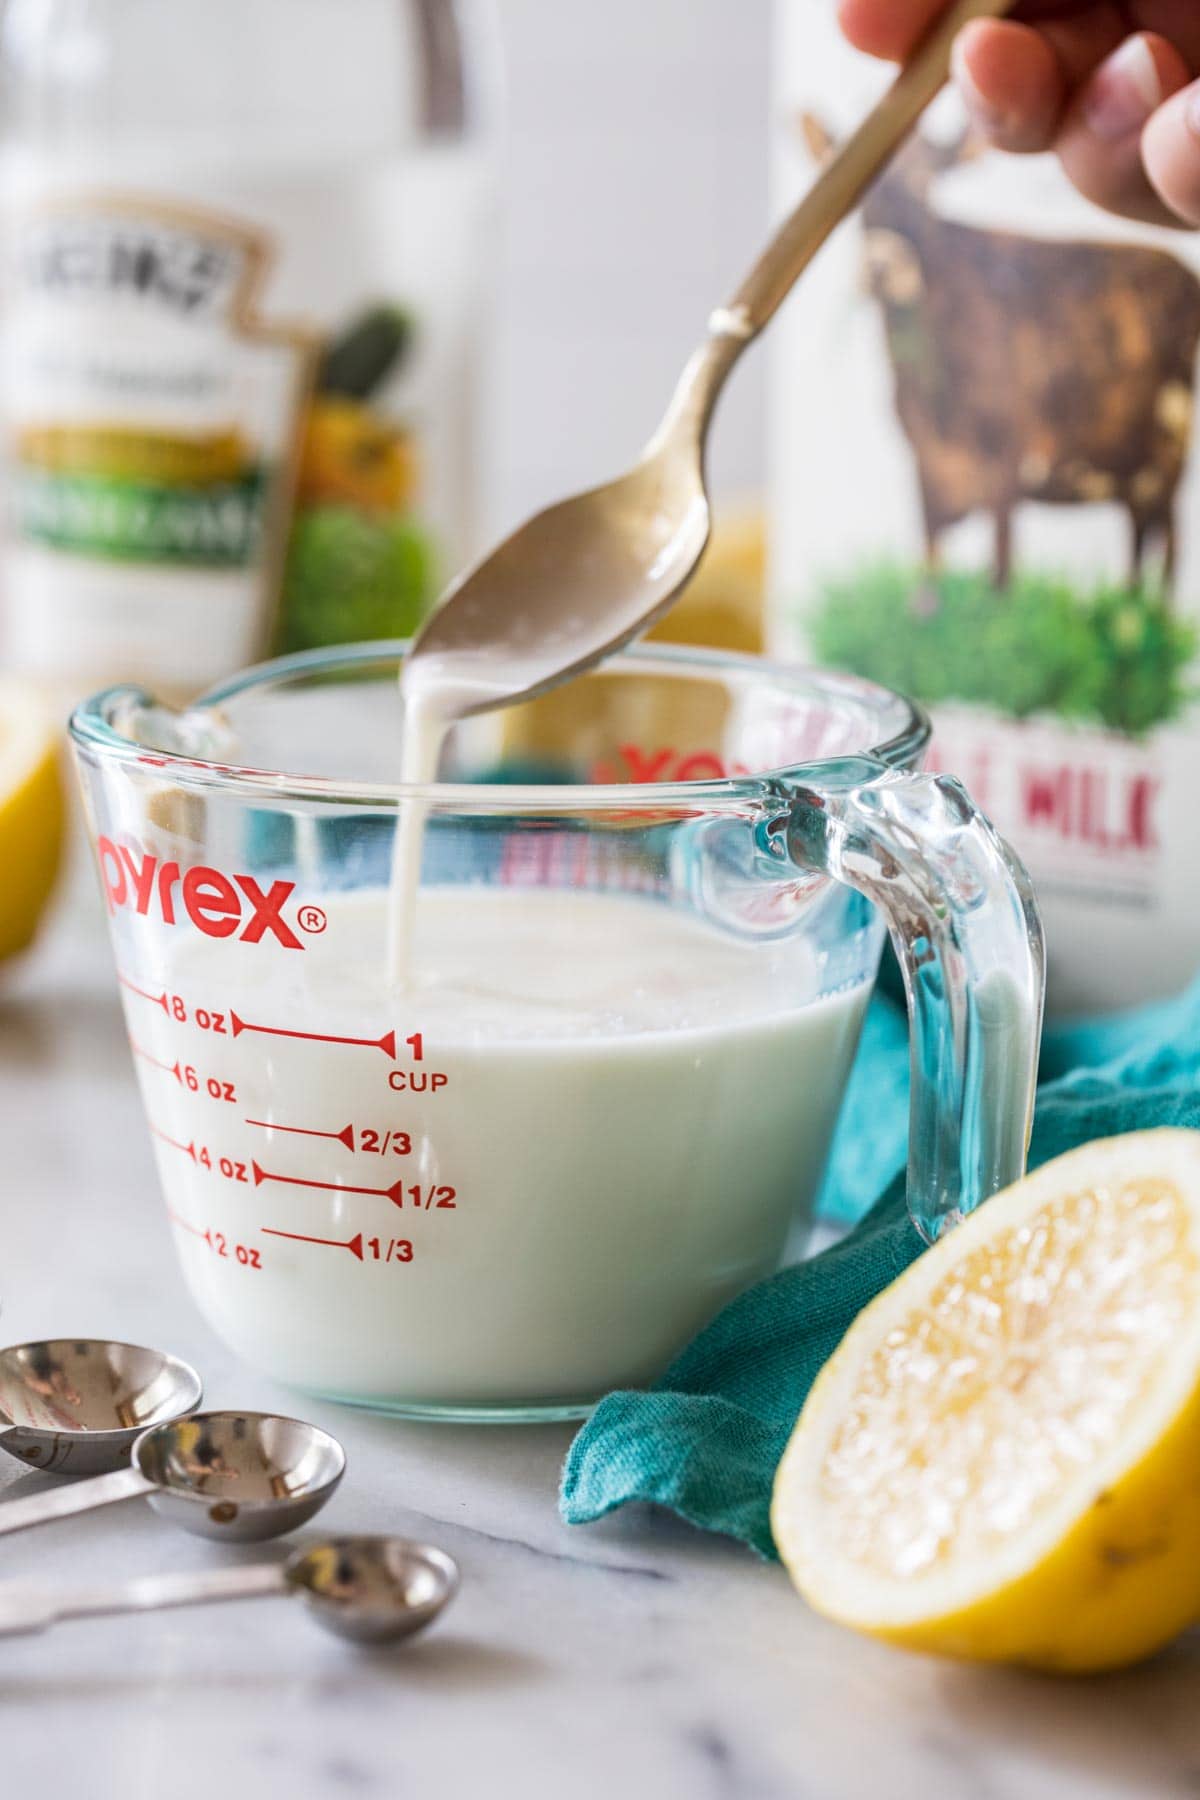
x=216 y=1090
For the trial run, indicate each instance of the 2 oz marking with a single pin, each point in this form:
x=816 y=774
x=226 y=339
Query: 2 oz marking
x=244 y=1254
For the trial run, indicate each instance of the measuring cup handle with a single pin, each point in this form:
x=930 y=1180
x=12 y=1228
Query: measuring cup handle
x=78 y=1497
x=966 y=929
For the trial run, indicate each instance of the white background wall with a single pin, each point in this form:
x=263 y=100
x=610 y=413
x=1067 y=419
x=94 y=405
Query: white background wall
x=636 y=192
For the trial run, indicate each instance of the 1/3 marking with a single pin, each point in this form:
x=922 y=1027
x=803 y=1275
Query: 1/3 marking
x=390 y=1249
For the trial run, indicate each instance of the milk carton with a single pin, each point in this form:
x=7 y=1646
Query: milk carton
x=985 y=492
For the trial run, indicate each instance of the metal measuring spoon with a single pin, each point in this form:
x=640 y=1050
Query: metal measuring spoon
x=232 y=1475
x=372 y=1590
x=79 y=1404
x=586 y=576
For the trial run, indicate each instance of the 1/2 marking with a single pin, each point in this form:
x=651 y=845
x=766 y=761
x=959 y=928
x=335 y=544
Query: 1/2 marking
x=422 y=1197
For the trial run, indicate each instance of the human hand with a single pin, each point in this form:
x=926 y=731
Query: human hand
x=1111 y=85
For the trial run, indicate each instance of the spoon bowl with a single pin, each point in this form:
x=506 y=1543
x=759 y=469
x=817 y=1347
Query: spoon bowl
x=238 y=1476
x=77 y=1404
x=373 y=1590
x=575 y=583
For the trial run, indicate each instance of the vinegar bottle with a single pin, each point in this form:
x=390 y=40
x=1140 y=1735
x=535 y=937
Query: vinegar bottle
x=246 y=255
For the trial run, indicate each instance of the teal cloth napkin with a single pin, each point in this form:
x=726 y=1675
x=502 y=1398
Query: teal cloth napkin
x=706 y=1440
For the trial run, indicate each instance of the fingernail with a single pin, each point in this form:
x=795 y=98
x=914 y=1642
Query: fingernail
x=1124 y=92
x=988 y=117
x=1193 y=112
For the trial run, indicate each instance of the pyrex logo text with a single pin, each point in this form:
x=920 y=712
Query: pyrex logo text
x=214 y=903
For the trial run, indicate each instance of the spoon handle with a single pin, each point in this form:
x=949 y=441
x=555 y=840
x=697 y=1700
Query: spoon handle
x=836 y=191
x=27 y=1609
x=79 y=1496
x=848 y=174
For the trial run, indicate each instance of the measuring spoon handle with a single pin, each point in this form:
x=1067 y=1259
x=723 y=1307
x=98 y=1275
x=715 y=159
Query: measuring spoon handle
x=28 y=1609
x=78 y=1497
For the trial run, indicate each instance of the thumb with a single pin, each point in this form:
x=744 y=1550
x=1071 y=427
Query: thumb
x=1171 y=153
x=1103 y=136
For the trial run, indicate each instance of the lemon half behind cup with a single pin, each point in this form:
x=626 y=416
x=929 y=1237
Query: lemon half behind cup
x=32 y=812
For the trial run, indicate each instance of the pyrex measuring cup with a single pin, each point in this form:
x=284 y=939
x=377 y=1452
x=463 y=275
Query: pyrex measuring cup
x=652 y=906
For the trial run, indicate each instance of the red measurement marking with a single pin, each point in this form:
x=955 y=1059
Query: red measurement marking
x=145 y=994
x=386 y=1043
x=188 y=1149
x=186 y=1225
x=393 y=1193
x=168 y=1068
x=344 y=1136
x=354 y=1245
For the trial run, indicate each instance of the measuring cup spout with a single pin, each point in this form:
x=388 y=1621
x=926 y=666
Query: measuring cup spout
x=81 y=1496
x=965 y=926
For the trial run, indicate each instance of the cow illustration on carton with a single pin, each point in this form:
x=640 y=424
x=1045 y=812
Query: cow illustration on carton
x=1029 y=370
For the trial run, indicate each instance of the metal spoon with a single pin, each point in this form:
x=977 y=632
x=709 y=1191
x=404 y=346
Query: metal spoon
x=371 y=1590
x=80 y=1403
x=581 y=579
x=231 y=1475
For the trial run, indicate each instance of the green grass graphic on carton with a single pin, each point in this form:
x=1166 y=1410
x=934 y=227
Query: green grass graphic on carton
x=1114 y=656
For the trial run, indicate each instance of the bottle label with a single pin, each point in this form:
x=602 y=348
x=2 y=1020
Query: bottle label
x=152 y=413
x=237 y=413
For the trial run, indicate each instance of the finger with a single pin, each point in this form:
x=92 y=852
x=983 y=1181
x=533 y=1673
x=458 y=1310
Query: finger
x=892 y=28
x=887 y=28
x=1101 y=141
x=1176 y=20
x=1012 y=84
x=1171 y=154
x=1082 y=40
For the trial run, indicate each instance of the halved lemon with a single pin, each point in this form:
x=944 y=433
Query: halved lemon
x=32 y=812
x=1002 y=1459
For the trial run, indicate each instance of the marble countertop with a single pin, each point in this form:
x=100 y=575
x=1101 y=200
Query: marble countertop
x=635 y=1658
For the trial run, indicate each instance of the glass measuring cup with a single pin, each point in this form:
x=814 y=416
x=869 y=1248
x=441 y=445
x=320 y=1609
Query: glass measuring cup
x=652 y=906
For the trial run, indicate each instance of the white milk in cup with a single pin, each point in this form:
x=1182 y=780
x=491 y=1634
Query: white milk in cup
x=524 y=1159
